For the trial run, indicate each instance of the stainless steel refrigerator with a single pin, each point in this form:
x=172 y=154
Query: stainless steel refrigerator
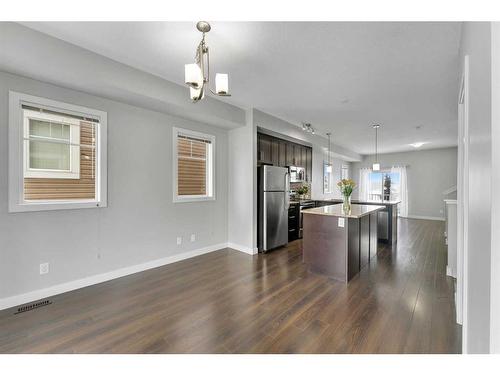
x=274 y=201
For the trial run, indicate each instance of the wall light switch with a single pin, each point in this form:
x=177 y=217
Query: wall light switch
x=179 y=240
x=193 y=238
x=341 y=222
x=44 y=268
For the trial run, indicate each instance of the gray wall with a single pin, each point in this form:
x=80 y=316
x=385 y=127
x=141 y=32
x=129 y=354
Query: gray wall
x=80 y=69
x=242 y=195
x=430 y=172
x=140 y=223
x=476 y=42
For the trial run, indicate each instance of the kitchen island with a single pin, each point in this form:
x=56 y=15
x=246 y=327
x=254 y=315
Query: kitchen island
x=387 y=217
x=337 y=243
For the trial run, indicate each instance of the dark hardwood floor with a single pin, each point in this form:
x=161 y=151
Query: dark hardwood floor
x=229 y=302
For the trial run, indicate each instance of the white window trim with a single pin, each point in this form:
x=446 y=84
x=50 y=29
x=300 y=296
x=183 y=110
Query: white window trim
x=16 y=157
x=342 y=169
x=210 y=167
x=74 y=171
x=328 y=190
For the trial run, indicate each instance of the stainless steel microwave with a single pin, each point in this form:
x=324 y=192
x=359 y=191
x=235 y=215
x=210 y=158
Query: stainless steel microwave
x=297 y=174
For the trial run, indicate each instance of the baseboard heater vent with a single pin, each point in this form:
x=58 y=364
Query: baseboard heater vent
x=33 y=306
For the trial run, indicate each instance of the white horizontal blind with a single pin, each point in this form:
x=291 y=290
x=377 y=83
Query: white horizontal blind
x=192 y=168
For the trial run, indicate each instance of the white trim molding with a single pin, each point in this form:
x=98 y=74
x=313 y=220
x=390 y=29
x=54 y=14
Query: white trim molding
x=35 y=295
x=243 y=249
x=54 y=290
x=425 y=217
x=16 y=166
x=450 y=272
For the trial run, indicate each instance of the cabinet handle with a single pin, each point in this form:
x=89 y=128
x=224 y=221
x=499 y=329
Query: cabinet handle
x=291 y=230
x=291 y=217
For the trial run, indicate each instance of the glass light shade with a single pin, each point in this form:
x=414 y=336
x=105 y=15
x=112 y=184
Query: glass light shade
x=195 y=94
x=221 y=83
x=376 y=166
x=193 y=76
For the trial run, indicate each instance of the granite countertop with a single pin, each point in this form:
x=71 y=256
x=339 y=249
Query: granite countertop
x=357 y=201
x=357 y=210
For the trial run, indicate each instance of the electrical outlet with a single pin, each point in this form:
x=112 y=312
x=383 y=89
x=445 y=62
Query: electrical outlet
x=341 y=222
x=193 y=237
x=179 y=240
x=44 y=268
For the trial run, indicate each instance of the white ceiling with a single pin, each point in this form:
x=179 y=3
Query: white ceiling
x=340 y=76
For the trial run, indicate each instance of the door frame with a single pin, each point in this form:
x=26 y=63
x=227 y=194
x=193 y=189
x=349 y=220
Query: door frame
x=463 y=203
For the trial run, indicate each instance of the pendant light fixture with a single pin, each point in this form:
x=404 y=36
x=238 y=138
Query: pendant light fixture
x=197 y=75
x=307 y=127
x=376 y=165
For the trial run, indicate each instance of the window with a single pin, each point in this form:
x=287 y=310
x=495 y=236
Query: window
x=57 y=156
x=327 y=178
x=384 y=185
x=345 y=172
x=193 y=166
x=48 y=145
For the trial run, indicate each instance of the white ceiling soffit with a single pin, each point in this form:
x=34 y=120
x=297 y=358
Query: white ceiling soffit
x=39 y=56
x=340 y=76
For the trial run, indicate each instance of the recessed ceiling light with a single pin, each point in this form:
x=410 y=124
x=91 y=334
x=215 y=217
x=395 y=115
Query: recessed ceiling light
x=417 y=144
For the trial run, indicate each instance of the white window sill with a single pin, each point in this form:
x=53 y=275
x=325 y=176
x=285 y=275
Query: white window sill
x=193 y=199
x=51 y=206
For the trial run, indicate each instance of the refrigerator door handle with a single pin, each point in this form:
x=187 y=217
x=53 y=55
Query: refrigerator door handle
x=287 y=191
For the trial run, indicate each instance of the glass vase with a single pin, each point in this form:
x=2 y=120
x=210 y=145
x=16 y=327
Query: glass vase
x=346 y=204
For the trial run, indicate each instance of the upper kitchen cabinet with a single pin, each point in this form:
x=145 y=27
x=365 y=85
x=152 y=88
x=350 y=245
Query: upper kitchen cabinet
x=308 y=164
x=297 y=150
x=290 y=154
x=264 y=149
x=283 y=153
x=275 y=148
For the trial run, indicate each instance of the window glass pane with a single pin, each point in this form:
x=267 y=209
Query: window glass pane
x=60 y=157
x=327 y=178
x=56 y=130
x=49 y=129
x=47 y=155
x=375 y=186
x=65 y=132
x=39 y=128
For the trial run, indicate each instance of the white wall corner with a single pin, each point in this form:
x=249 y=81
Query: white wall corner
x=243 y=249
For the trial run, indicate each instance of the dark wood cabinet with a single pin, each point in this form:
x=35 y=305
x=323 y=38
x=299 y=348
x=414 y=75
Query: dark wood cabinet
x=309 y=164
x=264 y=149
x=275 y=148
x=283 y=153
x=293 y=222
x=297 y=151
x=290 y=156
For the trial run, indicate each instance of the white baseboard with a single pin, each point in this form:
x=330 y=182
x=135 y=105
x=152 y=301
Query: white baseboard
x=20 y=299
x=450 y=272
x=244 y=249
x=425 y=217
